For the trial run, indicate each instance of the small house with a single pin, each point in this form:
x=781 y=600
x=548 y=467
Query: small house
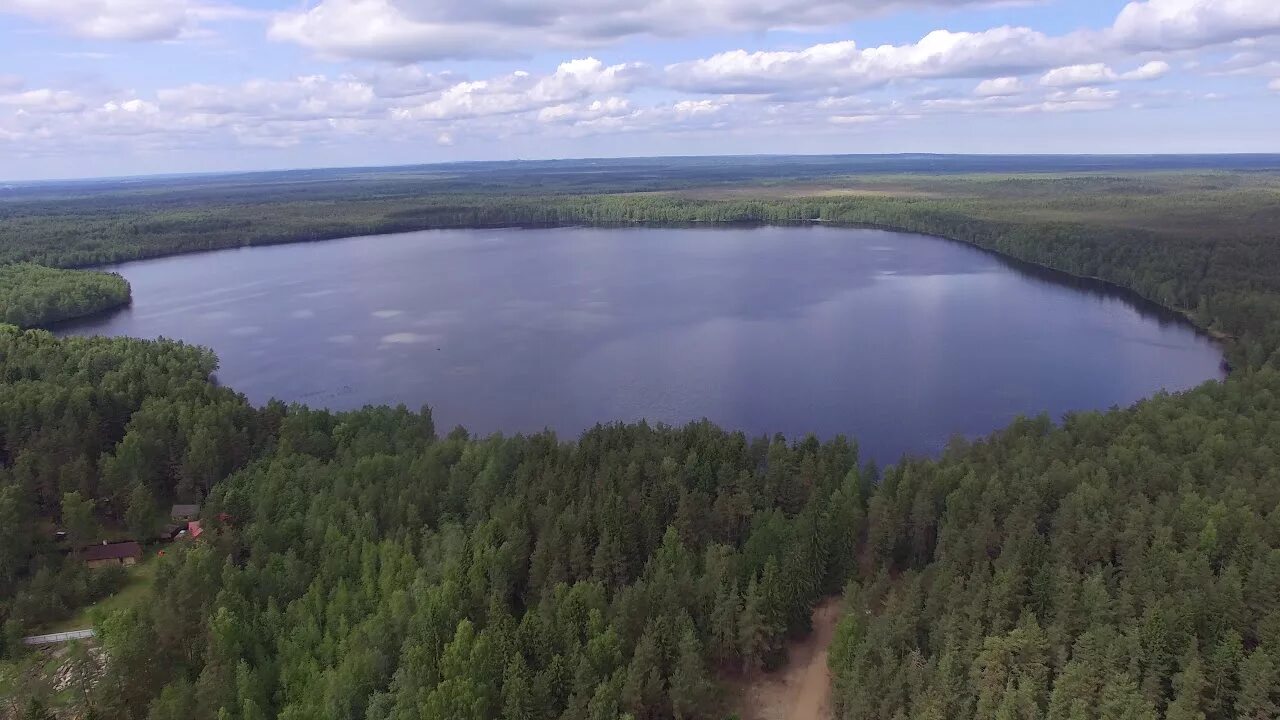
x=184 y=513
x=121 y=553
x=192 y=531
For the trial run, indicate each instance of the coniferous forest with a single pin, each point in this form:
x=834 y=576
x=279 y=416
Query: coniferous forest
x=32 y=295
x=368 y=564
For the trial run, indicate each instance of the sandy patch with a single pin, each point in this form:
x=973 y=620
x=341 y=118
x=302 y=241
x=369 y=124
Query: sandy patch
x=801 y=690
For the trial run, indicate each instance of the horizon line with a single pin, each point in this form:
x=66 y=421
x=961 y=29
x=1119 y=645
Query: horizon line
x=12 y=184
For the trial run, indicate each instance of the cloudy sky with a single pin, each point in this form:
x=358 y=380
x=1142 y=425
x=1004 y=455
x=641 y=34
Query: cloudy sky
x=118 y=87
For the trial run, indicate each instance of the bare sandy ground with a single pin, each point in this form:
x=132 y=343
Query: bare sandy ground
x=802 y=689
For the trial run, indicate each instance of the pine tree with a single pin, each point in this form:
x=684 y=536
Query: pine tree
x=1259 y=688
x=516 y=701
x=724 y=624
x=689 y=682
x=753 y=628
x=1188 y=688
x=643 y=691
x=140 y=516
x=1223 y=666
x=77 y=517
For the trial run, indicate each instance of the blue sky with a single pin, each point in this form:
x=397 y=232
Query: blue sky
x=118 y=87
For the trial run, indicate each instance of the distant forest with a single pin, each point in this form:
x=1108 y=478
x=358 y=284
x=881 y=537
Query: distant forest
x=370 y=565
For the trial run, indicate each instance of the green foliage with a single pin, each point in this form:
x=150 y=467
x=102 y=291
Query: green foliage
x=1123 y=565
x=358 y=565
x=77 y=518
x=1120 y=566
x=132 y=409
x=31 y=295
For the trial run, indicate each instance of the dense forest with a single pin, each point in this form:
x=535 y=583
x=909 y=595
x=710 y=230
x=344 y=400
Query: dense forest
x=1124 y=565
x=360 y=566
x=367 y=565
x=31 y=295
x=99 y=434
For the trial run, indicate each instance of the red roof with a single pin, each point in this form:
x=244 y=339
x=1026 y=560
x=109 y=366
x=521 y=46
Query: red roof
x=114 y=551
x=194 y=529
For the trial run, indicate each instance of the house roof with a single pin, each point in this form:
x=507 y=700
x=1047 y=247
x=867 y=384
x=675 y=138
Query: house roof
x=184 y=511
x=114 y=551
x=193 y=529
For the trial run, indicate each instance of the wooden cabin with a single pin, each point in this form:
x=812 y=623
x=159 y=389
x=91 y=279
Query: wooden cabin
x=121 y=553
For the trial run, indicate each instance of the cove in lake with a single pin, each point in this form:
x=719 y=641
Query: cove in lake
x=897 y=340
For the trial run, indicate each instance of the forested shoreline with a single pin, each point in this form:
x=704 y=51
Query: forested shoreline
x=361 y=564
x=423 y=576
x=1196 y=244
x=367 y=565
x=36 y=296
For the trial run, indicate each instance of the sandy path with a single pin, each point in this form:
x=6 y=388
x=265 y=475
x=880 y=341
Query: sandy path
x=802 y=689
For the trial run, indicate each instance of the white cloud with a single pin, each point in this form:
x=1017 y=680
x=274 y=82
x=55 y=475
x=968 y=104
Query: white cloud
x=1078 y=75
x=686 y=109
x=1081 y=99
x=405 y=81
x=43 y=101
x=1101 y=74
x=1078 y=99
x=1263 y=61
x=1151 y=71
x=109 y=19
x=822 y=88
x=126 y=20
x=408 y=30
x=136 y=106
x=837 y=67
x=1275 y=85
x=999 y=87
x=618 y=115
x=575 y=113
x=1182 y=24
x=309 y=97
x=843 y=67
x=521 y=92
x=870 y=119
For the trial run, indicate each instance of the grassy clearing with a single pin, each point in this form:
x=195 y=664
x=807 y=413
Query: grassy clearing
x=141 y=578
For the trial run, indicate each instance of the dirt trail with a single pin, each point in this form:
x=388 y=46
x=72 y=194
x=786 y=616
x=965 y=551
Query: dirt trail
x=802 y=689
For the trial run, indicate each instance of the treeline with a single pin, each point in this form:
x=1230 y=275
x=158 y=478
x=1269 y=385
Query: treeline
x=360 y=566
x=1124 y=565
x=32 y=295
x=1203 y=245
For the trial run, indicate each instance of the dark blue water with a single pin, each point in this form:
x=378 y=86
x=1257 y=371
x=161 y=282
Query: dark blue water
x=897 y=340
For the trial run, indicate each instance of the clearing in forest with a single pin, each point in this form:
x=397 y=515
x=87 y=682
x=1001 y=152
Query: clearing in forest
x=801 y=689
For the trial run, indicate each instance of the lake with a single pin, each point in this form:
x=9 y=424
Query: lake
x=898 y=340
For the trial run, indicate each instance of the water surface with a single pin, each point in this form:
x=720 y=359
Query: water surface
x=895 y=339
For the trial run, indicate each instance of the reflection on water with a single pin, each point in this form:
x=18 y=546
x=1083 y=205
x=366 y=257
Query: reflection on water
x=897 y=340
